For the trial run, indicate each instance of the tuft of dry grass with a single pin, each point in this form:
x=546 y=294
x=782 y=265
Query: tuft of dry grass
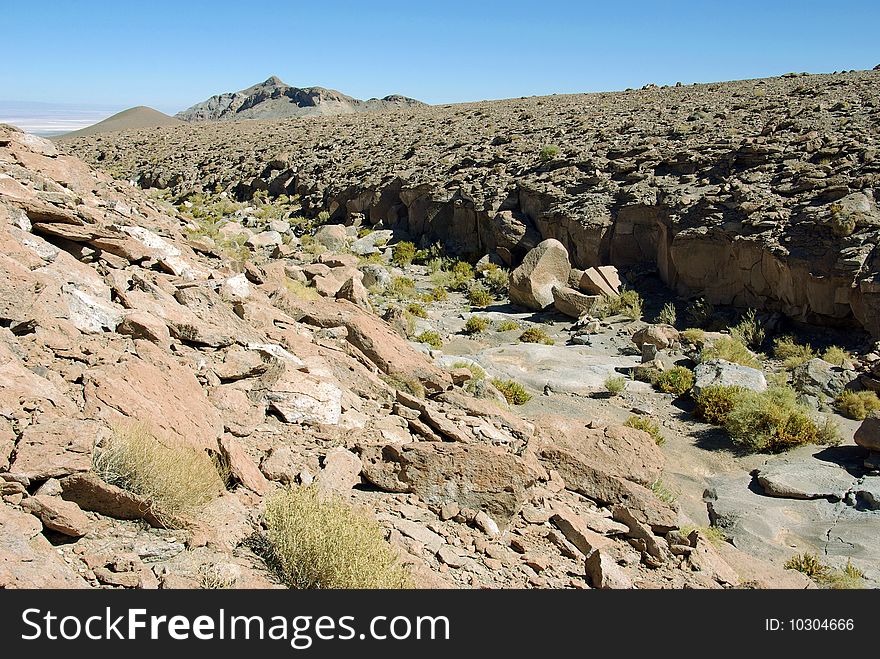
x=318 y=541
x=176 y=480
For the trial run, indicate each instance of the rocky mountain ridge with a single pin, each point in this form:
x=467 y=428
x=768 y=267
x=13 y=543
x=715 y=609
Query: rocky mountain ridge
x=275 y=99
x=756 y=193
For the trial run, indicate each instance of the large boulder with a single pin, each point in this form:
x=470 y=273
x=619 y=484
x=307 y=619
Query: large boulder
x=332 y=236
x=820 y=379
x=614 y=466
x=662 y=336
x=545 y=267
x=440 y=473
x=154 y=389
x=718 y=372
x=572 y=303
x=868 y=434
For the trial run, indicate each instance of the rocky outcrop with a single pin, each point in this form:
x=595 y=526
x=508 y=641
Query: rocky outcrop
x=767 y=201
x=273 y=99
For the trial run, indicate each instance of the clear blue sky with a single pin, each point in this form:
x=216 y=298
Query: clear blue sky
x=172 y=54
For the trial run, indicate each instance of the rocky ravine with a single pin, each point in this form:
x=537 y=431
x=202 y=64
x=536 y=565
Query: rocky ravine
x=108 y=315
x=754 y=193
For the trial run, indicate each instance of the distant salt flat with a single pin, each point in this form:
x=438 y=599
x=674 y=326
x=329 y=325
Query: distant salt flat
x=46 y=119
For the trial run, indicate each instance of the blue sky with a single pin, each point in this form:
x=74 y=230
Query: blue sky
x=172 y=54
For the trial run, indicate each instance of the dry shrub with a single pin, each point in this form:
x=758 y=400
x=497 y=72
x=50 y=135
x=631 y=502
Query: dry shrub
x=856 y=404
x=771 y=421
x=175 y=480
x=677 y=380
x=730 y=350
x=715 y=402
x=318 y=541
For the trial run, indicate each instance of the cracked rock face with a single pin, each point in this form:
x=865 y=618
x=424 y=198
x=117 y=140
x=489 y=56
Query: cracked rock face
x=757 y=193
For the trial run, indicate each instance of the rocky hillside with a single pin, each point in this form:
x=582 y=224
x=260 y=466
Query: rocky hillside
x=754 y=193
x=274 y=99
x=120 y=320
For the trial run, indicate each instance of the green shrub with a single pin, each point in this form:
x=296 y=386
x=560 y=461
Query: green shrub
x=700 y=312
x=318 y=541
x=536 y=335
x=791 y=352
x=770 y=421
x=403 y=254
x=507 y=326
x=749 y=331
x=829 y=433
x=716 y=402
x=647 y=374
x=432 y=338
x=323 y=217
x=615 y=385
x=827 y=577
x=479 y=296
x=731 y=350
x=662 y=492
x=402 y=288
x=677 y=380
x=694 y=336
x=439 y=294
x=476 y=325
x=837 y=356
x=667 y=314
x=417 y=310
x=513 y=392
x=650 y=427
x=496 y=279
x=856 y=404
x=175 y=480
x=548 y=153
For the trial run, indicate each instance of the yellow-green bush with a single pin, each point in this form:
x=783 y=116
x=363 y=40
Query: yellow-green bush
x=176 y=480
x=856 y=404
x=694 y=336
x=650 y=427
x=715 y=402
x=507 y=326
x=417 y=310
x=677 y=380
x=615 y=385
x=479 y=296
x=791 y=352
x=536 y=335
x=318 y=541
x=770 y=421
x=731 y=350
x=667 y=314
x=850 y=577
x=629 y=303
x=476 y=325
x=836 y=355
x=749 y=331
x=403 y=253
x=513 y=392
x=432 y=338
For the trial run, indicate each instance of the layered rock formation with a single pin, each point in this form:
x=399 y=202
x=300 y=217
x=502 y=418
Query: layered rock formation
x=753 y=193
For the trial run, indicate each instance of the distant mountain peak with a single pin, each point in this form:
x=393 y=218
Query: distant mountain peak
x=275 y=99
